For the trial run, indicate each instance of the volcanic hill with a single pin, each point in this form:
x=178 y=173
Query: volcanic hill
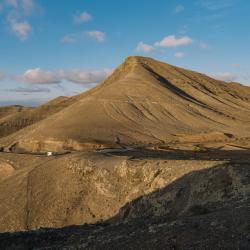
x=155 y=157
x=144 y=102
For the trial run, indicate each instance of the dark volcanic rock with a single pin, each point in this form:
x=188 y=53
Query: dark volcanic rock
x=225 y=229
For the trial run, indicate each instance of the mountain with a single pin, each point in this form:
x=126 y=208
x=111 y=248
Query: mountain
x=172 y=171
x=143 y=102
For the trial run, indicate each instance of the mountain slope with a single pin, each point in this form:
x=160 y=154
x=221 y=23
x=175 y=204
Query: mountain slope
x=10 y=110
x=158 y=198
x=144 y=101
x=89 y=187
x=15 y=118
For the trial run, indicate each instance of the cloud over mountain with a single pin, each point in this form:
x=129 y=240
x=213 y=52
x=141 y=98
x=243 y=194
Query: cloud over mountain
x=38 y=76
x=85 y=76
x=225 y=76
x=170 y=41
x=97 y=35
x=173 y=41
x=143 y=47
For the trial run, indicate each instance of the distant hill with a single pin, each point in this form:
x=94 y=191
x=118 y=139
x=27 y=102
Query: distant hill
x=14 y=118
x=10 y=110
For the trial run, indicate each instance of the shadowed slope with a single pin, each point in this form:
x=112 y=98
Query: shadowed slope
x=144 y=101
x=206 y=208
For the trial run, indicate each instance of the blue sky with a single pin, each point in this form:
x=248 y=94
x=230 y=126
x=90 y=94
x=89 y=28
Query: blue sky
x=50 y=48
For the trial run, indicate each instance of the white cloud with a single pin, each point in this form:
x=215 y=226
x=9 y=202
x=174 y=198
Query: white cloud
x=172 y=41
x=17 y=14
x=179 y=8
x=225 y=76
x=69 y=39
x=38 y=76
x=20 y=29
x=82 y=18
x=24 y=7
x=99 y=36
x=179 y=54
x=29 y=90
x=143 y=47
x=85 y=76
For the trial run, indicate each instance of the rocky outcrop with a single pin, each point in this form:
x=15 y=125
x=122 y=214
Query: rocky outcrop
x=88 y=188
x=165 y=205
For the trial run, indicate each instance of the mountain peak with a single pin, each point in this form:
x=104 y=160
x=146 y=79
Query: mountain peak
x=138 y=59
x=144 y=101
x=129 y=65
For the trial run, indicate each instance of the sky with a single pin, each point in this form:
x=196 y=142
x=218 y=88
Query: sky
x=50 y=48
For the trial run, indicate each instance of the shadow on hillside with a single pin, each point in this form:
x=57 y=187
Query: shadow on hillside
x=177 y=154
x=196 y=193
x=174 y=89
x=197 y=200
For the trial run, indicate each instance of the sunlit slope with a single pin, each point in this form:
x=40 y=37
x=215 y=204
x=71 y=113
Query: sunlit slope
x=15 y=118
x=144 y=101
x=6 y=111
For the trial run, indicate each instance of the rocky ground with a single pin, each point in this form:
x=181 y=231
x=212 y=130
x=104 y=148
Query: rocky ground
x=137 y=199
x=224 y=229
x=157 y=158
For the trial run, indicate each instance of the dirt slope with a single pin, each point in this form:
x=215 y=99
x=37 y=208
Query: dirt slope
x=10 y=110
x=37 y=191
x=136 y=202
x=144 y=101
x=14 y=118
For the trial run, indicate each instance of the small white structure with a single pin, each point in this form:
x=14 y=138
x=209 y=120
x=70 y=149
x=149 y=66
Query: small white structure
x=49 y=153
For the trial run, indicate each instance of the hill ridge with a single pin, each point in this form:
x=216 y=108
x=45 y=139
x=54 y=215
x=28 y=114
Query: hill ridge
x=143 y=102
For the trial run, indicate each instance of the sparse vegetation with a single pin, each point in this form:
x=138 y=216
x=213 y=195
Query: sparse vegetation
x=199 y=148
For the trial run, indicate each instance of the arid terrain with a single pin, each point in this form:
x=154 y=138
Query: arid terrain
x=154 y=157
